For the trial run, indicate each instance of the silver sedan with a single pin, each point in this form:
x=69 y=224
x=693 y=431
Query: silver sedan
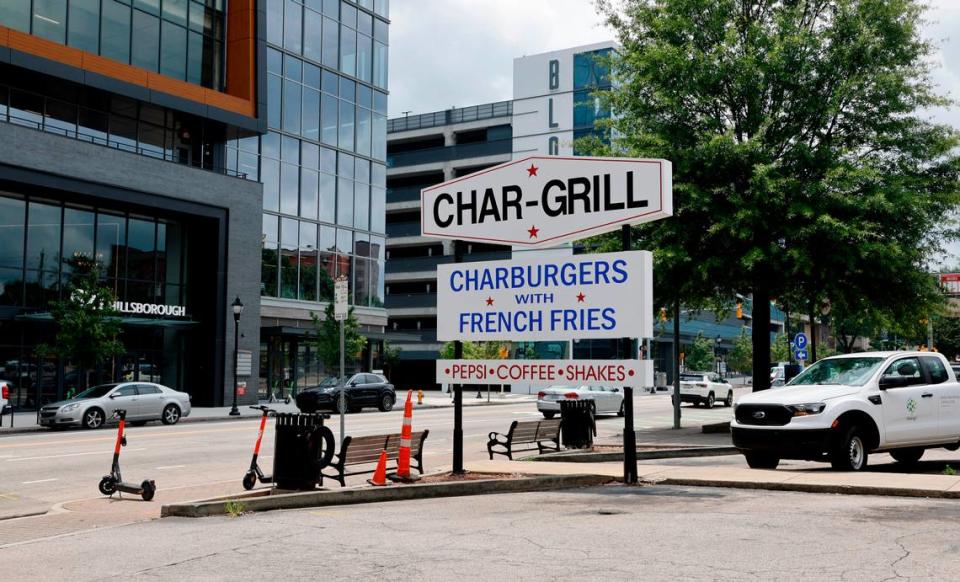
x=608 y=399
x=143 y=401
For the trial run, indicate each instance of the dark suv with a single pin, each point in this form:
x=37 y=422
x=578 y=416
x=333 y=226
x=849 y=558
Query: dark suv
x=360 y=390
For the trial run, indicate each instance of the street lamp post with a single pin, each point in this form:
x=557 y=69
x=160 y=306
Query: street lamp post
x=237 y=306
x=716 y=352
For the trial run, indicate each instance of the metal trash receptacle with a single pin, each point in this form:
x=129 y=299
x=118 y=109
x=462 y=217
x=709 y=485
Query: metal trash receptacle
x=579 y=425
x=302 y=446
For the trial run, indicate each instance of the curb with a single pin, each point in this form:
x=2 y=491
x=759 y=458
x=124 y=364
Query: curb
x=28 y=513
x=380 y=494
x=6 y=431
x=809 y=488
x=641 y=455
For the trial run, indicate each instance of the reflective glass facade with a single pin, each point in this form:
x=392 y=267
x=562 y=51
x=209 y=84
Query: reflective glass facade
x=590 y=74
x=322 y=162
x=183 y=39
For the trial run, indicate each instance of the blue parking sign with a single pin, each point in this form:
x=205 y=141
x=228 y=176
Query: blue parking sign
x=801 y=355
x=800 y=341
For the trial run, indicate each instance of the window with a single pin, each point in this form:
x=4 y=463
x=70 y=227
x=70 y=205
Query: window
x=50 y=19
x=289 y=189
x=903 y=372
x=291 y=106
x=15 y=14
x=84 y=25
x=129 y=390
x=12 y=216
x=331 y=43
x=328 y=119
x=275 y=22
x=309 y=188
x=348 y=50
x=269 y=256
x=292 y=26
x=115 y=31
x=311 y=114
x=146 y=40
x=145 y=389
x=380 y=64
x=938 y=373
x=345 y=135
x=195 y=58
x=173 y=55
x=313 y=35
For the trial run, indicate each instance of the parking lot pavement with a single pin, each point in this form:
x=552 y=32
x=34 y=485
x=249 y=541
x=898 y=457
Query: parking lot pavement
x=611 y=533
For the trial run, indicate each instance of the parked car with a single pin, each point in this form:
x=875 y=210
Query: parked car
x=609 y=400
x=4 y=396
x=843 y=408
x=94 y=407
x=360 y=391
x=705 y=388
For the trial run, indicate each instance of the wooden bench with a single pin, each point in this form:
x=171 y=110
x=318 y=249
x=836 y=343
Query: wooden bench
x=543 y=433
x=366 y=450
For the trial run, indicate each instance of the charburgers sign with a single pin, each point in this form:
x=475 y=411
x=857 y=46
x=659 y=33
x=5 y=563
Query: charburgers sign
x=543 y=201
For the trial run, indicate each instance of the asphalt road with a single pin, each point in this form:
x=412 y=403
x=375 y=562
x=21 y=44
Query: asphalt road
x=607 y=533
x=55 y=467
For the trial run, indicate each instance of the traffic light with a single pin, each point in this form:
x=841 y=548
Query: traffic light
x=739 y=310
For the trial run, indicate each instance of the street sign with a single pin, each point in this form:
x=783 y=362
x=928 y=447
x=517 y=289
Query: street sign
x=542 y=201
x=546 y=372
x=607 y=295
x=340 y=299
x=800 y=341
x=801 y=355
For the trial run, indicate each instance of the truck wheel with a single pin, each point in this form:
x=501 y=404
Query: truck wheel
x=711 y=400
x=757 y=460
x=728 y=401
x=907 y=456
x=850 y=451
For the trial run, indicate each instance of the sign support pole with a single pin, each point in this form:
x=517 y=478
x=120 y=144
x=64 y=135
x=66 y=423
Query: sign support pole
x=340 y=313
x=343 y=401
x=457 y=388
x=676 y=363
x=629 y=436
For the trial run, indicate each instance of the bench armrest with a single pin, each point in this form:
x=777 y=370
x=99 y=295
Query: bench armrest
x=498 y=438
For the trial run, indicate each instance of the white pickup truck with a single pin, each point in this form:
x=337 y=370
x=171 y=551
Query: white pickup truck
x=843 y=408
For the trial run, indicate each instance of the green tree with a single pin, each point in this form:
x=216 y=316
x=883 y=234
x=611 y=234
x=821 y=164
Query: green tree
x=698 y=356
x=740 y=357
x=327 y=341
x=88 y=326
x=780 y=349
x=801 y=165
x=391 y=357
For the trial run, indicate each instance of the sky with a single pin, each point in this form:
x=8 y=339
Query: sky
x=446 y=53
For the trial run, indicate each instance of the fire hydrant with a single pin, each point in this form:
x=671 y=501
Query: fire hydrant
x=420 y=396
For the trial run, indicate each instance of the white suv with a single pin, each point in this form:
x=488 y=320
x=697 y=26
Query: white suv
x=4 y=397
x=840 y=409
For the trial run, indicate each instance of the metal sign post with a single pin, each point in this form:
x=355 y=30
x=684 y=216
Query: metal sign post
x=340 y=294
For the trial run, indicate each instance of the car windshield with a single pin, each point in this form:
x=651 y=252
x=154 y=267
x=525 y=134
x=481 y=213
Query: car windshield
x=329 y=381
x=96 y=391
x=847 y=371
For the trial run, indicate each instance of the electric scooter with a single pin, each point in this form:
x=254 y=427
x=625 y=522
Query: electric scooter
x=254 y=474
x=114 y=482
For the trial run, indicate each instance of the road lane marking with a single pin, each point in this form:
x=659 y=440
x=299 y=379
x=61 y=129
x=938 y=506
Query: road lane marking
x=39 y=481
x=15 y=459
x=170 y=467
x=113 y=438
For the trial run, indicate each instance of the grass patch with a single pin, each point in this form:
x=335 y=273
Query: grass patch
x=234 y=508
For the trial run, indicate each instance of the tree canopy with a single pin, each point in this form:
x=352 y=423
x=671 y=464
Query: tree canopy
x=801 y=164
x=327 y=341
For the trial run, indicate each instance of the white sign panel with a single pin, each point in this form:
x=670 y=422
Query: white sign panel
x=542 y=201
x=607 y=295
x=244 y=363
x=547 y=372
x=340 y=298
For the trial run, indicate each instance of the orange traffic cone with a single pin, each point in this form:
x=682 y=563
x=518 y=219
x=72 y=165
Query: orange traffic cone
x=406 y=434
x=380 y=475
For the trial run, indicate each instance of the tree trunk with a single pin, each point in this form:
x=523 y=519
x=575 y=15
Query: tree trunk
x=813 y=336
x=761 y=336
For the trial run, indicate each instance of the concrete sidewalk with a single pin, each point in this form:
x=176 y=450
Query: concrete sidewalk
x=814 y=481
x=27 y=421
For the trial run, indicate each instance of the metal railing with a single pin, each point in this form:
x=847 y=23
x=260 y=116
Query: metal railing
x=450 y=116
x=404 y=194
x=398 y=229
x=150 y=152
x=447 y=153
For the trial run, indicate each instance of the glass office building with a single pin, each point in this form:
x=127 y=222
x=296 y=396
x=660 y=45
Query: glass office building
x=322 y=166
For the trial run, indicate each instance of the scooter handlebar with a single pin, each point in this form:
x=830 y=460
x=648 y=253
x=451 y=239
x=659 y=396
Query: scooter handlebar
x=119 y=413
x=263 y=408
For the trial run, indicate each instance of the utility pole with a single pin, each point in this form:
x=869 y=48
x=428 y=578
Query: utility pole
x=457 y=388
x=626 y=351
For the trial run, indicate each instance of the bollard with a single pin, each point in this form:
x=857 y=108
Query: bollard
x=420 y=396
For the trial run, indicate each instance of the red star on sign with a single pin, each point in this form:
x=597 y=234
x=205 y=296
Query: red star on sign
x=489 y=300
x=532 y=170
x=533 y=230
x=581 y=297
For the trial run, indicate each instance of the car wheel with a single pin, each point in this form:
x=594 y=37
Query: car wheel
x=622 y=411
x=548 y=413
x=952 y=446
x=907 y=456
x=711 y=400
x=756 y=460
x=386 y=403
x=850 y=451
x=171 y=414
x=342 y=407
x=93 y=418
x=728 y=401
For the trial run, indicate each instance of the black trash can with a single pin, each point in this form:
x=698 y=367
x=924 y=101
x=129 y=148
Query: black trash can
x=302 y=447
x=579 y=425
